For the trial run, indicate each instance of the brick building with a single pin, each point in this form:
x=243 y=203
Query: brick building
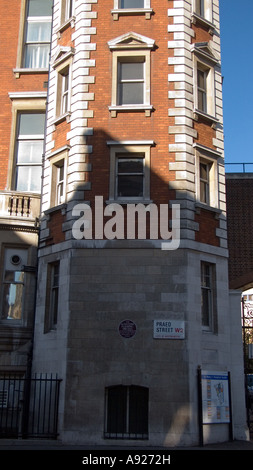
x=128 y=318
x=25 y=31
x=239 y=189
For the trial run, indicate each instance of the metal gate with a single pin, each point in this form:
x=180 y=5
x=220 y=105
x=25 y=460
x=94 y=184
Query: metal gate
x=247 y=329
x=29 y=406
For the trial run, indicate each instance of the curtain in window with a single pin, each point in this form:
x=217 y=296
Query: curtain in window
x=29 y=151
x=37 y=44
x=37 y=56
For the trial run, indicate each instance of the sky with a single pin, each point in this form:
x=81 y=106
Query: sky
x=236 y=21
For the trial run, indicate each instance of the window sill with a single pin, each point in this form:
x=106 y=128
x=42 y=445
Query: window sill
x=61 y=207
x=66 y=24
x=122 y=202
x=206 y=331
x=19 y=71
x=132 y=11
x=203 y=22
x=131 y=108
x=59 y=119
x=205 y=116
x=202 y=205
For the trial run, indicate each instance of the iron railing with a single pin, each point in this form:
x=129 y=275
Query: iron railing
x=29 y=406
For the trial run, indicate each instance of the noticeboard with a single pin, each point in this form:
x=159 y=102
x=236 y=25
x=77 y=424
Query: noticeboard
x=215 y=397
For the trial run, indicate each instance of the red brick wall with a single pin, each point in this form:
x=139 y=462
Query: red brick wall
x=135 y=125
x=131 y=125
x=60 y=134
x=55 y=228
x=240 y=228
x=207 y=228
x=201 y=33
x=9 y=33
x=205 y=134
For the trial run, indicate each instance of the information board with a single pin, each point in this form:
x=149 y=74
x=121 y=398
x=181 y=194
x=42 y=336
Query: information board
x=215 y=397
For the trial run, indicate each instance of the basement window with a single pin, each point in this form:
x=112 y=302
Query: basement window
x=126 y=412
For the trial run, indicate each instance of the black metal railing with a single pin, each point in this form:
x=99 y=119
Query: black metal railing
x=29 y=406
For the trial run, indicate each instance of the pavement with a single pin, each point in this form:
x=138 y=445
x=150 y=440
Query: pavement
x=36 y=444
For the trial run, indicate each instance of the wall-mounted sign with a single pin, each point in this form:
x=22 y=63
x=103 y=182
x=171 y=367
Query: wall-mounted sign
x=215 y=397
x=127 y=329
x=169 y=329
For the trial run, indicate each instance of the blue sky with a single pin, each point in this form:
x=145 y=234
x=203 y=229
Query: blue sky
x=236 y=18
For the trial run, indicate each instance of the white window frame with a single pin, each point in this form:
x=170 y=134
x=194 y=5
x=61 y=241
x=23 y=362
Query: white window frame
x=138 y=56
x=205 y=181
x=27 y=138
x=204 y=59
x=209 y=81
x=202 y=90
x=207 y=17
x=64 y=76
x=21 y=103
x=200 y=7
x=132 y=148
x=39 y=19
x=30 y=20
x=60 y=182
x=208 y=157
x=63 y=92
x=117 y=10
x=121 y=82
x=63 y=65
x=67 y=14
x=67 y=10
x=137 y=48
x=58 y=187
x=20 y=68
